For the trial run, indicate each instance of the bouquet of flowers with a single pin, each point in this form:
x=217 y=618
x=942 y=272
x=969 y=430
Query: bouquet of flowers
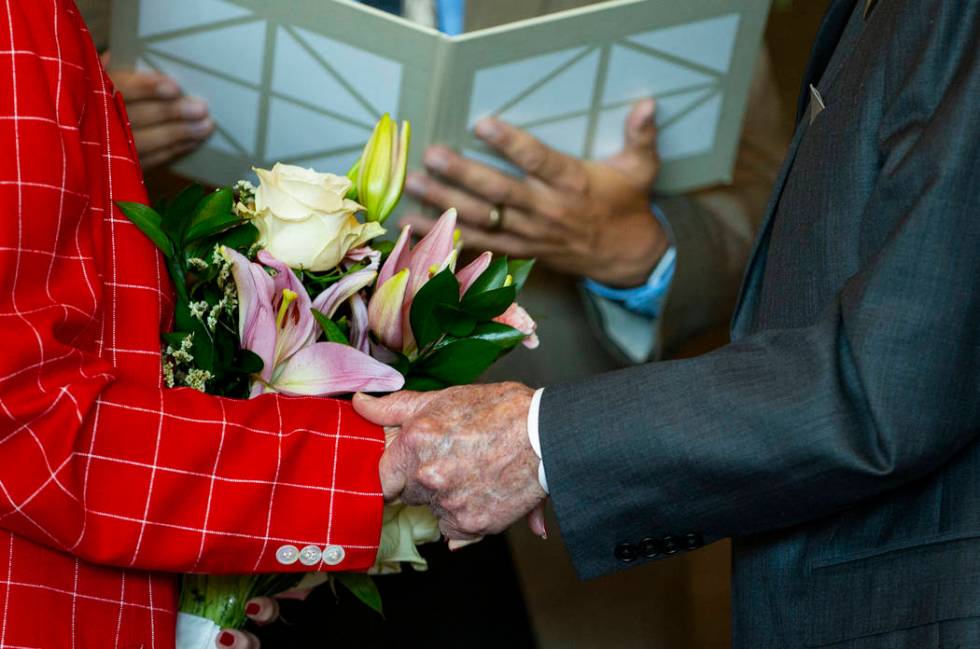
x=283 y=288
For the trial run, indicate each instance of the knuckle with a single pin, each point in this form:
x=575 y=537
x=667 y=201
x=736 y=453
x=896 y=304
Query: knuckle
x=533 y=159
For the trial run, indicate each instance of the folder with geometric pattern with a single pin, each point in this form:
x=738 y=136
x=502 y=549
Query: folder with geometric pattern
x=303 y=81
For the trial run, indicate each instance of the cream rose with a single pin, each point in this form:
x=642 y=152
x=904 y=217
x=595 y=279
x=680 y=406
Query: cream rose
x=304 y=219
x=402 y=530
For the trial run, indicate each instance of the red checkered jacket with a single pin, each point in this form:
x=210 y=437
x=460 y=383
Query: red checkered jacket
x=108 y=481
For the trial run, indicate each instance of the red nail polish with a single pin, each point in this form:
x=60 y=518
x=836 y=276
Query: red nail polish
x=226 y=639
x=252 y=609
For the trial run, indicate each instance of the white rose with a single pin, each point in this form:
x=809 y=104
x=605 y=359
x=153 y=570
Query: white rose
x=304 y=219
x=404 y=528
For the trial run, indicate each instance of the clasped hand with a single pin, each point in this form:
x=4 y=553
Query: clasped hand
x=465 y=453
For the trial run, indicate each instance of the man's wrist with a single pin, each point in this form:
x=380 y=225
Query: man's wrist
x=534 y=436
x=642 y=251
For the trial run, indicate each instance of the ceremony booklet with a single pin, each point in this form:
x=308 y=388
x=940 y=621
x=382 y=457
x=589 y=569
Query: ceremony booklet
x=304 y=81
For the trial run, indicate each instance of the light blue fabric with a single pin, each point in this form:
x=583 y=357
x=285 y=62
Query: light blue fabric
x=452 y=16
x=648 y=299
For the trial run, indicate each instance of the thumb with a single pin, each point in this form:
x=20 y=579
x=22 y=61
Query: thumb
x=392 y=410
x=639 y=157
x=392 y=472
x=535 y=521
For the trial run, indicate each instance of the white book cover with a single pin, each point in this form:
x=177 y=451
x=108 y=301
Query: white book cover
x=304 y=81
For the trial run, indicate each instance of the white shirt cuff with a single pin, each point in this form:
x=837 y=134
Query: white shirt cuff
x=535 y=437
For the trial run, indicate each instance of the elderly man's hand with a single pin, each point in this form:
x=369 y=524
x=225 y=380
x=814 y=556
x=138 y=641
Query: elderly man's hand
x=166 y=124
x=583 y=218
x=464 y=452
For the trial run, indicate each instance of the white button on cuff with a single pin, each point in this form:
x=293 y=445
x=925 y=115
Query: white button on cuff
x=287 y=555
x=310 y=555
x=333 y=555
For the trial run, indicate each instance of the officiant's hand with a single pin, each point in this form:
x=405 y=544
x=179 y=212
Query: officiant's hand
x=166 y=124
x=590 y=219
x=464 y=452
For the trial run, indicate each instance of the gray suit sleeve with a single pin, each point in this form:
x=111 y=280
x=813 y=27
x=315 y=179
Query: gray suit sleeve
x=786 y=426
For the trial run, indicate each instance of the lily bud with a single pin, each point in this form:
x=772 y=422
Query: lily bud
x=380 y=173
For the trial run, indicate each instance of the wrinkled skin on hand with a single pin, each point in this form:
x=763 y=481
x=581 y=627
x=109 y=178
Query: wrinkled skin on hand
x=464 y=452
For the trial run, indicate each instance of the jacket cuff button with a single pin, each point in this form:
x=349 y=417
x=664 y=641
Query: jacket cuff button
x=651 y=548
x=626 y=552
x=694 y=541
x=333 y=555
x=310 y=555
x=287 y=555
x=671 y=546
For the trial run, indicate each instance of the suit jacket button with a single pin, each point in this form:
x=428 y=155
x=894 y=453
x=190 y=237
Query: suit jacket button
x=626 y=552
x=694 y=541
x=671 y=546
x=651 y=547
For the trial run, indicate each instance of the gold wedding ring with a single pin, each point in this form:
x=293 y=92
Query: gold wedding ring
x=496 y=220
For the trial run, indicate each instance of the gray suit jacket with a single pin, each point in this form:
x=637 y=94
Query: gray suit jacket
x=836 y=438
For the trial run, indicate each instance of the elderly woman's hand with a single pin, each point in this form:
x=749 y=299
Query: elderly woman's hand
x=591 y=219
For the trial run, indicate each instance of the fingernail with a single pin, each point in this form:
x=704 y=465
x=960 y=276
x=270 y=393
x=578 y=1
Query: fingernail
x=252 y=609
x=650 y=111
x=544 y=536
x=202 y=128
x=488 y=129
x=193 y=108
x=415 y=185
x=436 y=160
x=226 y=639
x=167 y=89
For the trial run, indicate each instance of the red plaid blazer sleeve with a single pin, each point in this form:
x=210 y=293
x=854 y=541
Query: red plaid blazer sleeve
x=96 y=458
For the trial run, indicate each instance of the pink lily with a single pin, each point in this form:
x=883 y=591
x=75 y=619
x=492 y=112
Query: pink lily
x=276 y=323
x=403 y=274
x=516 y=317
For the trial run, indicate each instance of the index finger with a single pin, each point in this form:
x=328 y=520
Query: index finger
x=137 y=85
x=527 y=152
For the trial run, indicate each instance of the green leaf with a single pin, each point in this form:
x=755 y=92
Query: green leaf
x=330 y=328
x=492 y=278
x=175 y=338
x=215 y=222
x=363 y=588
x=520 y=270
x=177 y=212
x=248 y=362
x=454 y=321
x=212 y=215
x=420 y=383
x=504 y=337
x=443 y=289
x=461 y=362
x=488 y=305
x=241 y=238
x=149 y=222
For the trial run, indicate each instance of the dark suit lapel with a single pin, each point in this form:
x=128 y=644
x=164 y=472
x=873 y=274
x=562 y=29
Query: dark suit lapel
x=828 y=37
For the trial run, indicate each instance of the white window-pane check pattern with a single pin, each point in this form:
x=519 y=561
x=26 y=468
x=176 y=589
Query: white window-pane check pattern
x=107 y=479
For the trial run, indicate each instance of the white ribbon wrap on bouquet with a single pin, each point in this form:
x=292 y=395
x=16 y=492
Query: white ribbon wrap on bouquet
x=195 y=632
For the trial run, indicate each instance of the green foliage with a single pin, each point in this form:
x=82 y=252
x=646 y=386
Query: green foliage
x=457 y=339
x=203 y=351
x=442 y=292
x=150 y=223
x=363 y=588
x=330 y=328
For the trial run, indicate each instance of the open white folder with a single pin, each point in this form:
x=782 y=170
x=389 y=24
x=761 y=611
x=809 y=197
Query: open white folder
x=303 y=81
